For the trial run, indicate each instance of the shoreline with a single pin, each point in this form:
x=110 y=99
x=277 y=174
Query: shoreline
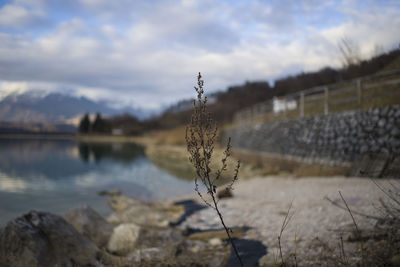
x=40 y=136
x=256 y=212
x=75 y=137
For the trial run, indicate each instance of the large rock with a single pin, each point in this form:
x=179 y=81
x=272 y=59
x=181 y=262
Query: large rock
x=90 y=224
x=43 y=239
x=128 y=210
x=122 y=203
x=123 y=239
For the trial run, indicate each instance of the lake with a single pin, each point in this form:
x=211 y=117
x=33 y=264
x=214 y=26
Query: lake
x=56 y=175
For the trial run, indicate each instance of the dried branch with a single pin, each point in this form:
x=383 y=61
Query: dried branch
x=351 y=214
x=355 y=212
x=200 y=137
x=285 y=223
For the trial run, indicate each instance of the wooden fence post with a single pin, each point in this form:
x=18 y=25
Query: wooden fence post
x=359 y=93
x=285 y=105
x=326 y=102
x=302 y=104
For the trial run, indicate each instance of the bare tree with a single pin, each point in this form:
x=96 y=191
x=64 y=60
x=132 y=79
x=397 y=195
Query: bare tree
x=350 y=52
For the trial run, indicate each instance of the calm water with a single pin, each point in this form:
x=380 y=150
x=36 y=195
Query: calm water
x=58 y=175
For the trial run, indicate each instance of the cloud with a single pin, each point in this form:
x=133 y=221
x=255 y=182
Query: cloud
x=21 y=13
x=18 y=16
x=149 y=52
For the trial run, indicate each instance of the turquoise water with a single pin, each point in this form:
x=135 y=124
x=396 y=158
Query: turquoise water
x=56 y=175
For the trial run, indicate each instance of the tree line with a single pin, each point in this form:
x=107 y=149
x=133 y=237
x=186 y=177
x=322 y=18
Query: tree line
x=124 y=124
x=99 y=125
x=245 y=95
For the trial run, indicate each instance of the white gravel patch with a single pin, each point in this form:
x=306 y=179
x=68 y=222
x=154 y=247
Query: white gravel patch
x=261 y=203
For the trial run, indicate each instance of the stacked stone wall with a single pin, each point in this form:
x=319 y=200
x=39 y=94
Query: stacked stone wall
x=334 y=138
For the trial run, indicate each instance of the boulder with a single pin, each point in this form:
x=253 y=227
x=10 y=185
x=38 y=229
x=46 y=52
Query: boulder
x=123 y=239
x=138 y=214
x=129 y=210
x=44 y=239
x=90 y=224
x=122 y=203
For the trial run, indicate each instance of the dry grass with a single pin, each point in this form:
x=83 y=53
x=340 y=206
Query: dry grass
x=269 y=164
x=174 y=136
x=166 y=151
x=376 y=92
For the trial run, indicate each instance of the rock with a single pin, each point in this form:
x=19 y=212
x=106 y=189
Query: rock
x=215 y=242
x=44 y=239
x=395 y=260
x=395 y=131
x=90 y=224
x=171 y=213
x=128 y=210
x=122 y=203
x=113 y=192
x=123 y=239
x=113 y=219
x=154 y=255
x=381 y=122
x=384 y=111
x=224 y=193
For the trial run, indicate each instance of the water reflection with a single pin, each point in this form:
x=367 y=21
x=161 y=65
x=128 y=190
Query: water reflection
x=55 y=159
x=54 y=175
x=116 y=151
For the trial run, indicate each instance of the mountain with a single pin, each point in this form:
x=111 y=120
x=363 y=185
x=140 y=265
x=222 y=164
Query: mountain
x=54 y=108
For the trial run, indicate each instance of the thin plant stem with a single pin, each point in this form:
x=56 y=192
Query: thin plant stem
x=200 y=137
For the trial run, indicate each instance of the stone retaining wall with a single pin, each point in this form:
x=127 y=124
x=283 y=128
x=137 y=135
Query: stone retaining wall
x=334 y=139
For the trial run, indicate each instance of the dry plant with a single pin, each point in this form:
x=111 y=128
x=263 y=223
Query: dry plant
x=380 y=245
x=285 y=223
x=200 y=138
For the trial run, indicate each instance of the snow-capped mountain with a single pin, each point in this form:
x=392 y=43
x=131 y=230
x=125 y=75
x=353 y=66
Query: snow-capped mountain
x=55 y=108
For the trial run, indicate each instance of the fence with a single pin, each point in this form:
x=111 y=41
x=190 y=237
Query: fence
x=376 y=90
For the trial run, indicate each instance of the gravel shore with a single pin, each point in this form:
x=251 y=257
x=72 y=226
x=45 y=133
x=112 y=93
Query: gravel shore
x=261 y=204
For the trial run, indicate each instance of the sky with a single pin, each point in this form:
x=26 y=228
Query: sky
x=147 y=53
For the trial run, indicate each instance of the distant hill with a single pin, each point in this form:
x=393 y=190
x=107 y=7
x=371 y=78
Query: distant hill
x=54 y=108
x=38 y=127
x=238 y=97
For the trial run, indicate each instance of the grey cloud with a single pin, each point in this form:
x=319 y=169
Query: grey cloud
x=154 y=57
x=16 y=16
